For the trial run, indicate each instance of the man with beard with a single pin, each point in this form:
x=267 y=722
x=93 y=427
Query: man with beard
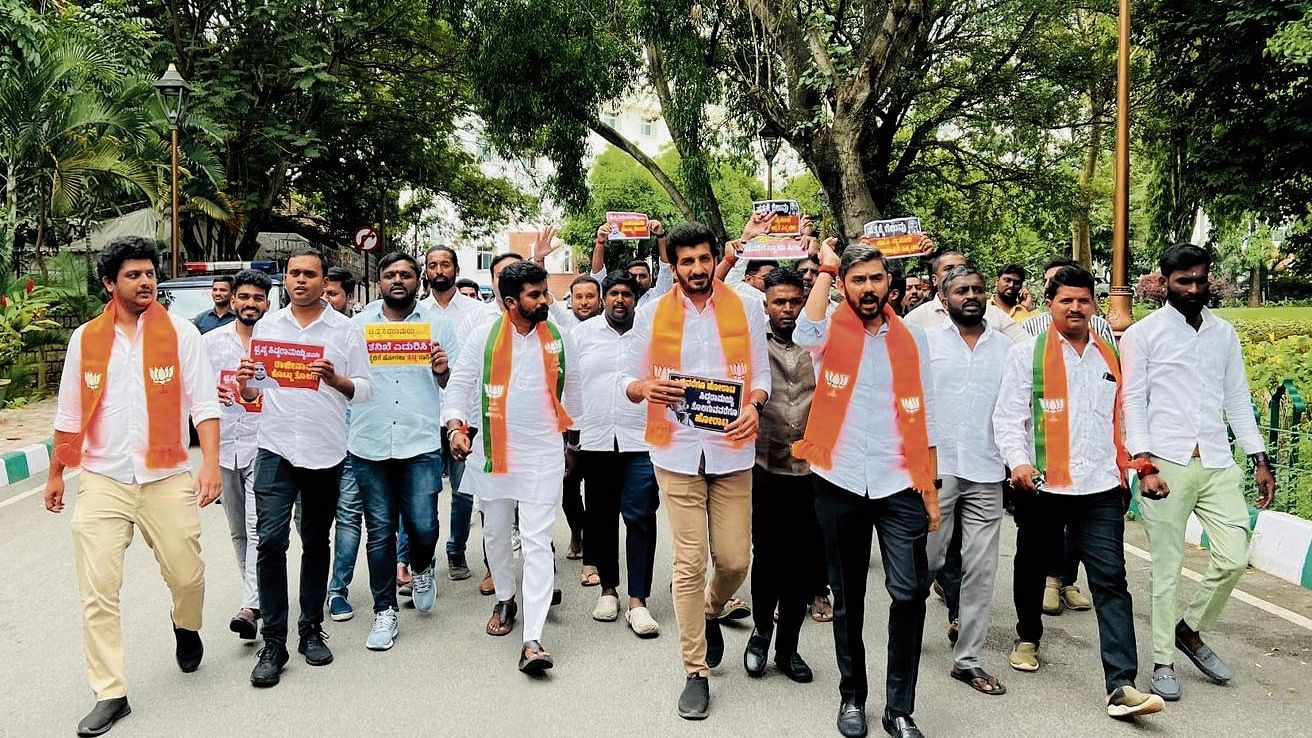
x=1184 y=379
x=967 y=356
x=1058 y=425
x=915 y=294
x=223 y=312
x=510 y=389
x=702 y=328
x=870 y=440
x=395 y=445
x=238 y=426
x=446 y=298
x=302 y=446
x=933 y=312
x=134 y=366
x=616 y=466
x=786 y=544
x=1007 y=293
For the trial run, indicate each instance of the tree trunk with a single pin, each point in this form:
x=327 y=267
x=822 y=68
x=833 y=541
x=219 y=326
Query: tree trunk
x=1255 y=286
x=853 y=204
x=10 y=236
x=1081 y=250
x=662 y=178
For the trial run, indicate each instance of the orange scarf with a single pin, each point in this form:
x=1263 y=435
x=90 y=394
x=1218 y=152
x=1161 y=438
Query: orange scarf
x=667 y=349
x=1052 y=433
x=497 y=356
x=159 y=369
x=838 y=374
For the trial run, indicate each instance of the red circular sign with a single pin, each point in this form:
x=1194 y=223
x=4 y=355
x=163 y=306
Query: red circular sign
x=365 y=240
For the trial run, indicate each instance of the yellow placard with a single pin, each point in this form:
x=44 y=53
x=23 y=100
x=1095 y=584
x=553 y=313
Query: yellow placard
x=398 y=344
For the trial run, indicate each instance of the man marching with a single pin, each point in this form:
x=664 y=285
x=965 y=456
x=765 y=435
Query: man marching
x=870 y=441
x=1184 y=379
x=504 y=411
x=146 y=372
x=1058 y=425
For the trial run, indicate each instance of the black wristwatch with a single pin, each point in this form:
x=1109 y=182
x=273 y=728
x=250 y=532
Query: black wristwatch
x=760 y=406
x=1260 y=459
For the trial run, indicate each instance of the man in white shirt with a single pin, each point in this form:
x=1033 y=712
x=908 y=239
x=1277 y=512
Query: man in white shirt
x=227 y=346
x=871 y=438
x=967 y=356
x=1184 y=380
x=518 y=413
x=1057 y=423
x=130 y=437
x=302 y=444
x=933 y=311
x=613 y=456
x=702 y=329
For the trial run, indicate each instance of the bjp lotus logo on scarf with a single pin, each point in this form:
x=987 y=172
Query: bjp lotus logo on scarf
x=738 y=370
x=494 y=391
x=92 y=379
x=836 y=381
x=161 y=374
x=662 y=372
x=911 y=404
x=553 y=347
x=1051 y=406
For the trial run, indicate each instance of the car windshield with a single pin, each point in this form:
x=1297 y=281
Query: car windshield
x=188 y=302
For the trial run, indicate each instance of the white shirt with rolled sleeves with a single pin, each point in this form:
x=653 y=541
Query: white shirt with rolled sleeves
x=966 y=387
x=461 y=305
x=237 y=430
x=118 y=449
x=933 y=313
x=1181 y=388
x=308 y=427
x=608 y=420
x=536 y=450
x=1092 y=397
x=700 y=355
x=868 y=458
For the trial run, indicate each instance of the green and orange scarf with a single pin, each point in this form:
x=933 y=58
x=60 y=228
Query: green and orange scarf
x=837 y=383
x=1052 y=431
x=160 y=373
x=667 y=349
x=497 y=355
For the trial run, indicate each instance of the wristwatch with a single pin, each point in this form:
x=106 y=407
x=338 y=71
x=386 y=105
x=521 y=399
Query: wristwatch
x=450 y=432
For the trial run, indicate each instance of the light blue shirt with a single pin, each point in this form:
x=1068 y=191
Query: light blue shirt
x=403 y=419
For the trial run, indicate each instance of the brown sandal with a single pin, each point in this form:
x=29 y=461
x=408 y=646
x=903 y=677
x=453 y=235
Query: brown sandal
x=534 y=659
x=503 y=618
x=822 y=610
x=589 y=577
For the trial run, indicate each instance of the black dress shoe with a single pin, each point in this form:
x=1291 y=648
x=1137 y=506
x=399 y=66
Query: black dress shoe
x=695 y=702
x=902 y=726
x=268 y=667
x=313 y=648
x=714 y=644
x=103 y=716
x=189 y=650
x=245 y=628
x=754 y=658
x=852 y=720
x=793 y=667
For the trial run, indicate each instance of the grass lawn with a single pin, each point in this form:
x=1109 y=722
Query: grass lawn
x=1300 y=314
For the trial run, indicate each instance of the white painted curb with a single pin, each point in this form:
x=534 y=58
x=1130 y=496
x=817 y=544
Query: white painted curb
x=1282 y=545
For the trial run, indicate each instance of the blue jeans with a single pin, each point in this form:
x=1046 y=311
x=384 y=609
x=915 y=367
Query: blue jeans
x=396 y=490
x=346 y=546
x=462 y=504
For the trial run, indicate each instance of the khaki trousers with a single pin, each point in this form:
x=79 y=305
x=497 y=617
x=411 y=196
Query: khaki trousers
x=103 y=520
x=714 y=509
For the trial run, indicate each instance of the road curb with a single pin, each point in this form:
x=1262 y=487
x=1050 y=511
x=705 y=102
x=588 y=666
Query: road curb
x=20 y=464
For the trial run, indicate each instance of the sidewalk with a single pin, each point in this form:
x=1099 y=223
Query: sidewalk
x=25 y=441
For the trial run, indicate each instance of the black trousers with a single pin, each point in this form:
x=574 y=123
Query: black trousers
x=1097 y=525
x=572 y=502
x=621 y=486
x=949 y=577
x=848 y=522
x=1064 y=563
x=786 y=550
x=278 y=485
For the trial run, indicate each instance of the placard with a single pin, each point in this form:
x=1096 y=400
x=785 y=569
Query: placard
x=774 y=247
x=709 y=403
x=228 y=378
x=897 y=238
x=398 y=344
x=627 y=226
x=284 y=364
x=787 y=216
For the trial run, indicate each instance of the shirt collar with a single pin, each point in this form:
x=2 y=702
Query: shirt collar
x=1177 y=317
x=375 y=310
x=287 y=316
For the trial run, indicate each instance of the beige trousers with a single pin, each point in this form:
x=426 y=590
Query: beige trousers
x=714 y=508
x=103 y=520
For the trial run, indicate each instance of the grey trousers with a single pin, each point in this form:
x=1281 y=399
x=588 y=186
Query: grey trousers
x=978 y=506
x=239 y=505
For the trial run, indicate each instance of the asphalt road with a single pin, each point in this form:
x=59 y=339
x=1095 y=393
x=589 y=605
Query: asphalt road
x=446 y=677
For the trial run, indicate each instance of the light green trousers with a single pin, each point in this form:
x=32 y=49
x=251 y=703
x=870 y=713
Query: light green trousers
x=1215 y=496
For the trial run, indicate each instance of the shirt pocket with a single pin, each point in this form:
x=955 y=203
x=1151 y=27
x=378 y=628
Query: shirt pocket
x=1104 y=397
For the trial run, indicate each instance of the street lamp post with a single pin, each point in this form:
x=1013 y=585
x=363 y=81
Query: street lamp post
x=1120 y=311
x=172 y=90
x=770 y=143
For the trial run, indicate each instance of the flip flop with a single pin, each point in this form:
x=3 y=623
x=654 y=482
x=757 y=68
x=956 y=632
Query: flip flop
x=822 y=610
x=735 y=609
x=574 y=554
x=503 y=618
x=974 y=677
x=589 y=577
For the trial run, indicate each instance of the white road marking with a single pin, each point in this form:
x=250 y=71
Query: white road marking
x=40 y=487
x=1238 y=594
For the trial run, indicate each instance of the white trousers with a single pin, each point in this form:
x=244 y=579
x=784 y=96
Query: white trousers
x=537 y=522
x=239 y=507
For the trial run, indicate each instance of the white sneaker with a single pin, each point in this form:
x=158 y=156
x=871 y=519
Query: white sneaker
x=607 y=609
x=642 y=623
x=383 y=634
